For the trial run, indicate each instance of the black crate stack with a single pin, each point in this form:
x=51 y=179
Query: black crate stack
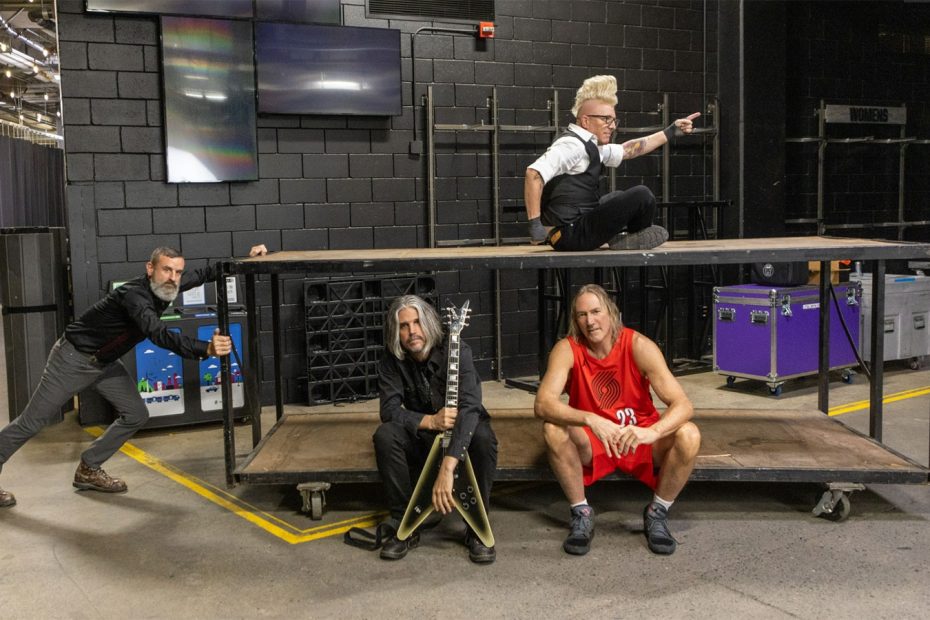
x=345 y=332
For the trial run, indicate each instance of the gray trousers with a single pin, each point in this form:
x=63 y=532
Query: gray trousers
x=67 y=372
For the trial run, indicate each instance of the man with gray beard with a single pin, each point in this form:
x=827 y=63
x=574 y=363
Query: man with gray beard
x=88 y=356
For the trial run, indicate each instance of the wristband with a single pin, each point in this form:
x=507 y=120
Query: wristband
x=672 y=131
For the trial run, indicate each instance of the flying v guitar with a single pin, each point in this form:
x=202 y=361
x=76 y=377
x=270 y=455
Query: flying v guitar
x=464 y=486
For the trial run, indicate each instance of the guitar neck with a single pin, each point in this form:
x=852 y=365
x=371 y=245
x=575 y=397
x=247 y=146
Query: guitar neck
x=452 y=380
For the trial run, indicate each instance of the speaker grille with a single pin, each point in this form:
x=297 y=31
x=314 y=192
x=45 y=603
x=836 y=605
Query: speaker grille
x=472 y=10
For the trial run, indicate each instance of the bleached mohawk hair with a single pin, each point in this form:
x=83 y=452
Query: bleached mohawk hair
x=600 y=87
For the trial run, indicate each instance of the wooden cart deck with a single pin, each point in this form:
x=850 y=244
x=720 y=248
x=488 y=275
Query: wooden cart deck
x=749 y=445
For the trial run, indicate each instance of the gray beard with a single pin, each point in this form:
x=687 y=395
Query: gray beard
x=164 y=291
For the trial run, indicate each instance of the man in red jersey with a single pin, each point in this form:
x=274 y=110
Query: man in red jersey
x=610 y=422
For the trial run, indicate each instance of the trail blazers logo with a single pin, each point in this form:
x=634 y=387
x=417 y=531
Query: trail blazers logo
x=606 y=389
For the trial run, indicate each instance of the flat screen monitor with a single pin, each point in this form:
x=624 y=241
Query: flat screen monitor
x=209 y=100
x=311 y=69
x=197 y=8
x=303 y=11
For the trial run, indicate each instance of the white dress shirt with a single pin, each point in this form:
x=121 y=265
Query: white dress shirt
x=567 y=155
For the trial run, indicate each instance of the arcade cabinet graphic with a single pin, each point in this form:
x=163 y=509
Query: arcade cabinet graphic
x=159 y=375
x=211 y=395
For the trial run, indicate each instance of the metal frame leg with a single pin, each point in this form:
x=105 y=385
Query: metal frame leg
x=823 y=387
x=276 y=339
x=229 y=429
x=878 y=350
x=254 y=357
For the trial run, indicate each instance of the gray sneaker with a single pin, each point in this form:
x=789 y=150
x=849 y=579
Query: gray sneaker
x=582 y=531
x=644 y=239
x=655 y=525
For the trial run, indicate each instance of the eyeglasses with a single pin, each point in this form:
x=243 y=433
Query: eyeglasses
x=607 y=120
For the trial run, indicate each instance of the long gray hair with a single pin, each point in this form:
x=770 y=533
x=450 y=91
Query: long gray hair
x=429 y=322
x=606 y=302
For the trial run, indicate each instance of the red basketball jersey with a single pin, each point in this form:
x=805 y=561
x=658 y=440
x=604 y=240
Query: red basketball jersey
x=613 y=387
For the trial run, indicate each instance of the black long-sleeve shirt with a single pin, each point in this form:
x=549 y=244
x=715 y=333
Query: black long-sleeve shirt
x=410 y=390
x=126 y=316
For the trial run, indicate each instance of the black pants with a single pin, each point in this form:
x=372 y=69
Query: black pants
x=631 y=210
x=401 y=455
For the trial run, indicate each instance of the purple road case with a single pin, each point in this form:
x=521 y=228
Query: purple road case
x=772 y=334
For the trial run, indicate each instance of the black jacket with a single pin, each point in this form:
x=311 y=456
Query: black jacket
x=125 y=317
x=410 y=390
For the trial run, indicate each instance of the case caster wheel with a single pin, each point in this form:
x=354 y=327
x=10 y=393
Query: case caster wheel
x=848 y=375
x=731 y=381
x=313 y=495
x=914 y=363
x=775 y=390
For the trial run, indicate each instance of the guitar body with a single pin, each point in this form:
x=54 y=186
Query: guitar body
x=464 y=488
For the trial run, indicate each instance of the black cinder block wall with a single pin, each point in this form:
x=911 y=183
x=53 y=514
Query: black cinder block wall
x=863 y=54
x=331 y=182
x=350 y=182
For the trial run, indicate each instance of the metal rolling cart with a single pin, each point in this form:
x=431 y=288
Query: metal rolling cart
x=829 y=452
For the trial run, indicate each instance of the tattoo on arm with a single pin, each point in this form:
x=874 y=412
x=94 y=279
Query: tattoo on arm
x=634 y=148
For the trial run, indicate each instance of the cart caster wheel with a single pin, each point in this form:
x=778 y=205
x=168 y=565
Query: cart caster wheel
x=313 y=495
x=775 y=391
x=731 y=381
x=316 y=506
x=848 y=376
x=914 y=363
x=833 y=505
x=840 y=511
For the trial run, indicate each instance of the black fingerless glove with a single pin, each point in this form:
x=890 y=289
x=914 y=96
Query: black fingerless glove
x=537 y=231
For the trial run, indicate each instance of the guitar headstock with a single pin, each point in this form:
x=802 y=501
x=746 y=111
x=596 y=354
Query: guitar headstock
x=455 y=318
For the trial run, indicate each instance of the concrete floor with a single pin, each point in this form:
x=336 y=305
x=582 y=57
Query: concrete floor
x=177 y=545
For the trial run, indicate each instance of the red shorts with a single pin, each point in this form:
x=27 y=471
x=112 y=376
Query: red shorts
x=638 y=464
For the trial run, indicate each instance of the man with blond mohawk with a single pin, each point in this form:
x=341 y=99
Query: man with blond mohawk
x=564 y=204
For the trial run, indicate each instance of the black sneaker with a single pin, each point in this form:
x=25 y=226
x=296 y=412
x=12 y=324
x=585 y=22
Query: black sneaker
x=582 y=526
x=644 y=239
x=655 y=525
x=478 y=552
x=396 y=549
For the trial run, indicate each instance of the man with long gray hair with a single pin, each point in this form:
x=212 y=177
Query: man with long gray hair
x=88 y=356
x=412 y=385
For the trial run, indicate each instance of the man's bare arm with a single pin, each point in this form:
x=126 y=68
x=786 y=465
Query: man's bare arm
x=651 y=363
x=641 y=146
x=532 y=198
x=532 y=193
x=550 y=407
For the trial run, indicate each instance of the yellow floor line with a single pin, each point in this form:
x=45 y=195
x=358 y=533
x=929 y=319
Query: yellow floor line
x=891 y=398
x=271 y=524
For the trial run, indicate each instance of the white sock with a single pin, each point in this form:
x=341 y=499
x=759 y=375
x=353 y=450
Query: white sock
x=583 y=502
x=661 y=502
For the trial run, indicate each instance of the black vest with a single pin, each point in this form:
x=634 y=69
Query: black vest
x=566 y=197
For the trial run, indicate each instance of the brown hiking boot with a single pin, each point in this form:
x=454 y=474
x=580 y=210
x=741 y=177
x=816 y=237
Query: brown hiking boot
x=95 y=479
x=6 y=499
